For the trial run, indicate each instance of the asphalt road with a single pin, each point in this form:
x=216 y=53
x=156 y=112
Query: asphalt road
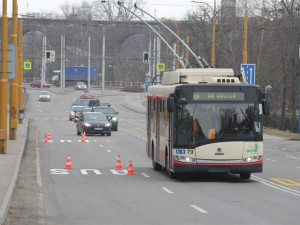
x=94 y=193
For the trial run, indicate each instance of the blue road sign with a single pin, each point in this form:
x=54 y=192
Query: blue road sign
x=249 y=70
x=24 y=90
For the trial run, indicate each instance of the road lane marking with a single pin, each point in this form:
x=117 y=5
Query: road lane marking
x=198 y=209
x=40 y=199
x=286 y=182
x=167 y=190
x=101 y=146
x=108 y=150
x=276 y=147
x=292 y=157
x=276 y=186
x=145 y=175
x=284 y=149
x=271 y=160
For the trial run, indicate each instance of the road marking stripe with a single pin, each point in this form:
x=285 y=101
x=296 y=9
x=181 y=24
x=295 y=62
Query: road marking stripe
x=276 y=186
x=275 y=147
x=292 y=157
x=145 y=175
x=101 y=146
x=271 y=160
x=198 y=208
x=167 y=190
x=284 y=149
x=108 y=150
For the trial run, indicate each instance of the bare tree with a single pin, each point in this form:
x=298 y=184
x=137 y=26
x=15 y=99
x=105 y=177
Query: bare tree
x=111 y=11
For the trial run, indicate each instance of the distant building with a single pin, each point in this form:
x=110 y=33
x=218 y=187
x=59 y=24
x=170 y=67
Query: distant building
x=228 y=11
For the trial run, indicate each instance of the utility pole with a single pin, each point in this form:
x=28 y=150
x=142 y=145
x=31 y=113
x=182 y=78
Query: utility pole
x=14 y=109
x=3 y=81
x=61 y=62
x=89 y=66
x=103 y=59
x=20 y=69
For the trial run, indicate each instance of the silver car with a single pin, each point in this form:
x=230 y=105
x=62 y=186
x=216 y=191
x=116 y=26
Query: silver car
x=76 y=109
x=45 y=96
x=80 y=86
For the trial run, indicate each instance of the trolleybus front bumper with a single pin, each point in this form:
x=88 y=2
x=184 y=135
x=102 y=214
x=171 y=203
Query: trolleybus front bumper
x=253 y=167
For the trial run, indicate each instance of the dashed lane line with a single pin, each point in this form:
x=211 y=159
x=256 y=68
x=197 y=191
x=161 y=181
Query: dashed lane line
x=167 y=190
x=198 y=209
x=145 y=175
x=271 y=160
x=291 y=157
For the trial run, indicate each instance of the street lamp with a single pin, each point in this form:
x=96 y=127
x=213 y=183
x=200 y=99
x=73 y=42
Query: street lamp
x=43 y=75
x=213 y=62
x=103 y=54
x=63 y=75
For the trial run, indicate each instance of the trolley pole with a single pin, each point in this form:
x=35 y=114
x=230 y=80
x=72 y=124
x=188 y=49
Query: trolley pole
x=14 y=109
x=3 y=81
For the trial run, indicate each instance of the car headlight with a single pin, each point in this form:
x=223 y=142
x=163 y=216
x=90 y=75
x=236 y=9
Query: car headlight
x=252 y=159
x=107 y=125
x=72 y=113
x=87 y=124
x=114 y=118
x=184 y=159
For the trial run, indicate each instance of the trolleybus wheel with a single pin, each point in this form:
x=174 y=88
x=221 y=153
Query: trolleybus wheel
x=245 y=175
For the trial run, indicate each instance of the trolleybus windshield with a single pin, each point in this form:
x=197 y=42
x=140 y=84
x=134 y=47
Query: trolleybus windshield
x=198 y=123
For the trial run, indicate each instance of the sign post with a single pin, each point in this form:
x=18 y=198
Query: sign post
x=249 y=70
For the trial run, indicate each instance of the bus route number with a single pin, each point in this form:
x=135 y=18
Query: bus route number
x=190 y=151
x=180 y=151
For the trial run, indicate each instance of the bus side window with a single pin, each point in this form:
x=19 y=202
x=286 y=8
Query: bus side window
x=153 y=105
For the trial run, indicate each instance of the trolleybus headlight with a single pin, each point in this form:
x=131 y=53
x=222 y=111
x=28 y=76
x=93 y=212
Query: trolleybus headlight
x=184 y=159
x=252 y=159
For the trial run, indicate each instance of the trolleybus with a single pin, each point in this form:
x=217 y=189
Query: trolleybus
x=206 y=120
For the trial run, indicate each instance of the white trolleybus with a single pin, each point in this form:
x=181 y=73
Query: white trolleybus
x=206 y=120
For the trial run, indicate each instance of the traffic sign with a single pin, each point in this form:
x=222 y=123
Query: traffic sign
x=160 y=67
x=27 y=65
x=249 y=70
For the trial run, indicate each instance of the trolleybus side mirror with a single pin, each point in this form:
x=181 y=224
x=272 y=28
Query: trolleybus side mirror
x=170 y=104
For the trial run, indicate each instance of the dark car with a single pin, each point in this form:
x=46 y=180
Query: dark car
x=75 y=110
x=110 y=114
x=87 y=102
x=93 y=123
x=79 y=86
x=36 y=83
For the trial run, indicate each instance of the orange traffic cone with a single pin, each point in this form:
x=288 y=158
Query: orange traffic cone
x=45 y=139
x=83 y=137
x=49 y=136
x=118 y=166
x=130 y=170
x=68 y=164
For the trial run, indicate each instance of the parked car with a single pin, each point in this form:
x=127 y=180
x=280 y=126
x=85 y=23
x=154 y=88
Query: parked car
x=86 y=96
x=80 y=86
x=87 y=102
x=93 y=123
x=45 y=96
x=46 y=85
x=110 y=114
x=36 y=83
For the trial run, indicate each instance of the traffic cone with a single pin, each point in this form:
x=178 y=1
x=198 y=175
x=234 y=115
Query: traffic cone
x=68 y=164
x=83 y=137
x=130 y=170
x=118 y=166
x=45 y=139
x=49 y=136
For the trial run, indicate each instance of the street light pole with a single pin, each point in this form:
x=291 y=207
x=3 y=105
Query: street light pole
x=89 y=66
x=177 y=41
x=103 y=59
x=63 y=72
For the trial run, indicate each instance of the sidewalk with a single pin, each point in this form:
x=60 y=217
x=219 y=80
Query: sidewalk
x=9 y=168
x=136 y=102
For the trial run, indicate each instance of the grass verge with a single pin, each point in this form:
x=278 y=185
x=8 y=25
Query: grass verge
x=281 y=133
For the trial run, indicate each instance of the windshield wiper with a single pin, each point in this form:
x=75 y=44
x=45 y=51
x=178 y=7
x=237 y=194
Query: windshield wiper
x=251 y=127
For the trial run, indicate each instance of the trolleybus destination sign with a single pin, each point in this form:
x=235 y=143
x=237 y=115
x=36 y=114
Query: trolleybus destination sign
x=218 y=96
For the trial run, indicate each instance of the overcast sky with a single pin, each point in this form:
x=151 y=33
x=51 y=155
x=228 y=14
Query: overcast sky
x=162 y=8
